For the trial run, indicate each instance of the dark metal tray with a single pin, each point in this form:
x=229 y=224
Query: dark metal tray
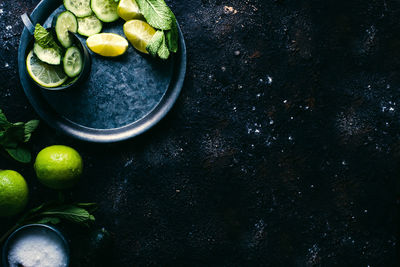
x=122 y=97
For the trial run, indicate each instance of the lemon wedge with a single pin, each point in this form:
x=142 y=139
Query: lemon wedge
x=139 y=34
x=128 y=9
x=107 y=44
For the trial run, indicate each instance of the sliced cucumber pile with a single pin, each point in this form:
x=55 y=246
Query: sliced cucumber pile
x=80 y=8
x=90 y=25
x=73 y=62
x=105 y=10
x=66 y=22
x=49 y=55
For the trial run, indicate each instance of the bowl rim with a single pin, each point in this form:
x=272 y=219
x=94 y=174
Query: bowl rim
x=33 y=225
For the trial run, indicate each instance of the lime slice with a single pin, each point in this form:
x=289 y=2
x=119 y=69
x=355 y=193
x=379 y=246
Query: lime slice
x=139 y=33
x=107 y=44
x=44 y=74
x=128 y=9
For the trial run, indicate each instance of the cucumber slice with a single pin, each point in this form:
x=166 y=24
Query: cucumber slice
x=73 y=62
x=90 y=25
x=66 y=22
x=80 y=8
x=105 y=10
x=48 y=55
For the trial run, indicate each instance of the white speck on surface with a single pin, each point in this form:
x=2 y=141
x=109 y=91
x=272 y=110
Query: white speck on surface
x=8 y=27
x=223 y=68
x=256 y=131
x=253 y=108
x=344 y=163
x=6 y=65
x=290 y=138
x=37 y=249
x=237 y=53
x=1 y=11
x=269 y=80
x=313 y=257
x=128 y=162
x=284 y=101
x=234 y=109
x=271 y=121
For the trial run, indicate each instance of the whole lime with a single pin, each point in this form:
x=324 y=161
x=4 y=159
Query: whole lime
x=58 y=167
x=13 y=193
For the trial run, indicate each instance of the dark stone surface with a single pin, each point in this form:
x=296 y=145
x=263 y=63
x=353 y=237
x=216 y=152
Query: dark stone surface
x=282 y=150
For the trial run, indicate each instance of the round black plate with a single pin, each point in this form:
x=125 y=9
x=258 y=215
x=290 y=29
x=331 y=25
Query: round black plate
x=122 y=97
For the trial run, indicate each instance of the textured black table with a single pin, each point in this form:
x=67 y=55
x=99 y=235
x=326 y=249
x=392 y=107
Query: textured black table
x=282 y=150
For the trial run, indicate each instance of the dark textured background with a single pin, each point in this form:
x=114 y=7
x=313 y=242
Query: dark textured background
x=282 y=149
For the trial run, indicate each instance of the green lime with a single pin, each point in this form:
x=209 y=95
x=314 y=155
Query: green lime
x=44 y=74
x=107 y=44
x=58 y=167
x=128 y=9
x=13 y=193
x=139 y=33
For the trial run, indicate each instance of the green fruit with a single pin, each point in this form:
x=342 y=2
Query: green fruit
x=58 y=167
x=13 y=193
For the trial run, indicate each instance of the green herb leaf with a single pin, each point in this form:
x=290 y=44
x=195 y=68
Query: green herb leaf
x=155 y=43
x=30 y=126
x=14 y=135
x=3 y=120
x=163 y=51
x=86 y=205
x=172 y=37
x=157 y=13
x=70 y=213
x=44 y=38
x=52 y=220
x=20 y=154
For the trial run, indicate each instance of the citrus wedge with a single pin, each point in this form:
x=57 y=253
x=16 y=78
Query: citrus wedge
x=128 y=9
x=139 y=33
x=44 y=74
x=107 y=44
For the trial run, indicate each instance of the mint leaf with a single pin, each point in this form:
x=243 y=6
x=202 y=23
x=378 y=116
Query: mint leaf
x=29 y=127
x=157 y=13
x=44 y=38
x=3 y=120
x=70 y=213
x=20 y=154
x=163 y=51
x=13 y=136
x=52 y=220
x=155 y=43
x=172 y=37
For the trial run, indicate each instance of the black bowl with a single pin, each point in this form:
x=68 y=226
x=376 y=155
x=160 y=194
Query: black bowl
x=33 y=227
x=71 y=82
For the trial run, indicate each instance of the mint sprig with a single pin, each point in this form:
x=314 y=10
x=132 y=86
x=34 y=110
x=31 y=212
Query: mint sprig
x=160 y=16
x=55 y=213
x=44 y=38
x=13 y=136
